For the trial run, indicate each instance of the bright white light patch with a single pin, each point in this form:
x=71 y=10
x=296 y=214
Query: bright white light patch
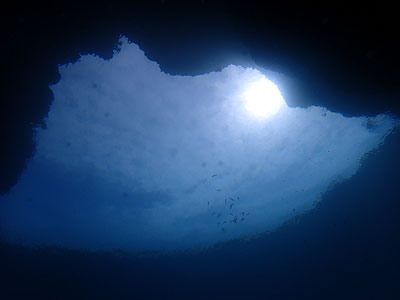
x=262 y=98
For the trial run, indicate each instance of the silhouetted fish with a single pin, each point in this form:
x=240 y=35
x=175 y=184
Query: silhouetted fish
x=241 y=219
x=231 y=199
x=213 y=175
x=231 y=206
x=218 y=190
x=225 y=200
x=219 y=214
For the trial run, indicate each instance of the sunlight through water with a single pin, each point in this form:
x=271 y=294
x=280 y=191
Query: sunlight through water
x=134 y=158
x=262 y=98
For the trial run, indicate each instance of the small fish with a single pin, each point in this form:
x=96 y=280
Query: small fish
x=213 y=175
x=247 y=214
x=241 y=219
x=218 y=190
x=231 y=206
x=225 y=200
x=231 y=199
x=219 y=214
x=223 y=229
x=238 y=198
x=242 y=213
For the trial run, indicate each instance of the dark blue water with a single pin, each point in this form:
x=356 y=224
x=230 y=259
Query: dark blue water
x=347 y=248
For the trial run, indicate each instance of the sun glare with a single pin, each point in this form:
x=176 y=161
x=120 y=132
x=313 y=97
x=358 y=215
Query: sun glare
x=262 y=98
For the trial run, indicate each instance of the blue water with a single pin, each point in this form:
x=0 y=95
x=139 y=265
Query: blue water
x=348 y=248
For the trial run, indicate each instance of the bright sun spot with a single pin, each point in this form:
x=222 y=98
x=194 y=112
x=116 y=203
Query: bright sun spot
x=262 y=98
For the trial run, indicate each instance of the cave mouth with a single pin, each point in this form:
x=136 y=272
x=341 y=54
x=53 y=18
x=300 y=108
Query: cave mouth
x=133 y=158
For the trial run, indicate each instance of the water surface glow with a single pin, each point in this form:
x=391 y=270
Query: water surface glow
x=136 y=159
